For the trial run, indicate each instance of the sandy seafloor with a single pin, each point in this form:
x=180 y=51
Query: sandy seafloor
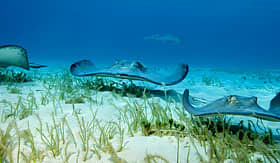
x=262 y=84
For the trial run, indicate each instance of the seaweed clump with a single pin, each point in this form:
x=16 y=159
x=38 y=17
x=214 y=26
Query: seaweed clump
x=6 y=143
x=10 y=76
x=75 y=100
x=159 y=128
x=220 y=125
x=222 y=140
x=121 y=88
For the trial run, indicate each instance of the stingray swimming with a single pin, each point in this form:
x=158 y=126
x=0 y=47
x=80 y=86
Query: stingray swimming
x=13 y=55
x=132 y=70
x=164 y=38
x=236 y=105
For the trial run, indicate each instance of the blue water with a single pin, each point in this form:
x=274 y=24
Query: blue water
x=214 y=33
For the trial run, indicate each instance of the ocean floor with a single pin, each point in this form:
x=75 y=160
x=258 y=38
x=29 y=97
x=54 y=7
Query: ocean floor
x=56 y=117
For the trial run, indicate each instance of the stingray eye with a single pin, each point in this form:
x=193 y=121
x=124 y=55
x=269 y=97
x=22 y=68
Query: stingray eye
x=228 y=98
x=254 y=99
x=232 y=100
x=117 y=61
x=139 y=66
x=138 y=63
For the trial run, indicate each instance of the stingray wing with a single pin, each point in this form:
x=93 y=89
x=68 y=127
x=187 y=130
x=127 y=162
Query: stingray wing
x=87 y=68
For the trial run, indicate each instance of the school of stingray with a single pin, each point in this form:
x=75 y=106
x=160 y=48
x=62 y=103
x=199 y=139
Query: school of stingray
x=13 y=55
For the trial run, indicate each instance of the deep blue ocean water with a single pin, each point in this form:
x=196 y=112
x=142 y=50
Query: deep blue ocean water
x=216 y=33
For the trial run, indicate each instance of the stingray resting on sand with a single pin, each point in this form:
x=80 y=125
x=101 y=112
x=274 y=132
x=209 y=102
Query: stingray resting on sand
x=236 y=105
x=131 y=70
x=13 y=55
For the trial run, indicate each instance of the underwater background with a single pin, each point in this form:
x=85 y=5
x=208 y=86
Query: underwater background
x=216 y=33
x=224 y=109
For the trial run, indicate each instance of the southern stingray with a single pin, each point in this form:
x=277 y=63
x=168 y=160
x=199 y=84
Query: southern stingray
x=164 y=38
x=236 y=105
x=132 y=70
x=13 y=55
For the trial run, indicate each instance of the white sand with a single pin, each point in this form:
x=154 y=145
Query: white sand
x=260 y=84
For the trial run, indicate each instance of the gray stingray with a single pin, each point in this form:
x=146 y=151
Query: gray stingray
x=236 y=105
x=131 y=70
x=164 y=38
x=13 y=55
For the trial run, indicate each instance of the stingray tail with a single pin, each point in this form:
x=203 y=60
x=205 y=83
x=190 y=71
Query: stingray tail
x=36 y=65
x=81 y=68
x=186 y=103
x=275 y=104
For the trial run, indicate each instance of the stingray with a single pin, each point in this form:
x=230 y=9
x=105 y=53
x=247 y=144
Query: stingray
x=132 y=70
x=164 y=38
x=236 y=105
x=13 y=55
